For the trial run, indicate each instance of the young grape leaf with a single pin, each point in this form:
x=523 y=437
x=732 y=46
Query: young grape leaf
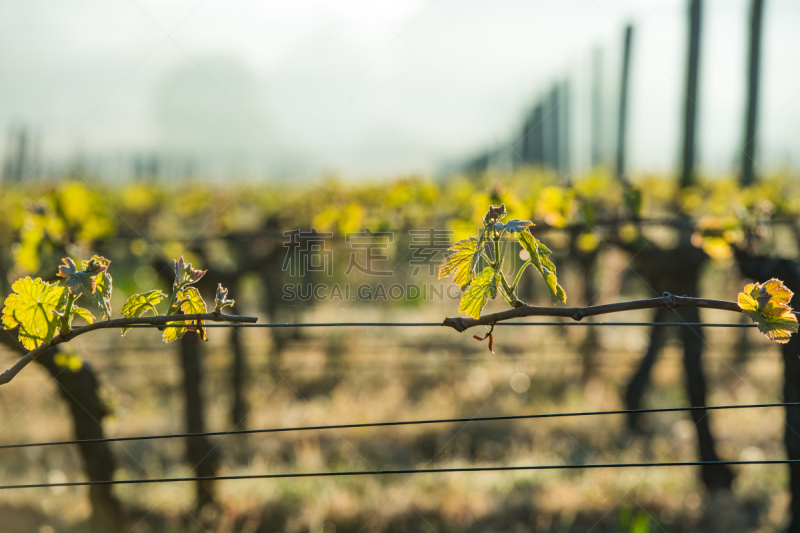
x=83 y=313
x=139 y=304
x=495 y=213
x=458 y=262
x=478 y=250
x=36 y=307
x=93 y=280
x=483 y=287
x=190 y=302
x=96 y=264
x=185 y=274
x=175 y=331
x=539 y=258
x=101 y=297
x=77 y=281
x=221 y=299
x=767 y=304
x=517 y=225
x=178 y=329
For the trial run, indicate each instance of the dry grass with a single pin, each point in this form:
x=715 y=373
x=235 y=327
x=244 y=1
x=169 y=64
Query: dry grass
x=358 y=375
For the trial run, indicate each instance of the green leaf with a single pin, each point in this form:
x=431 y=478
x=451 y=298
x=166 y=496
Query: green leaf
x=96 y=264
x=473 y=264
x=175 y=331
x=178 y=329
x=539 y=258
x=187 y=300
x=93 y=280
x=767 y=304
x=35 y=307
x=517 y=225
x=139 y=304
x=83 y=313
x=221 y=299
x=78 y=282
x=101 y=297
x=190 y=302
x=483 y=287
x=495 y=213
x=459 y=262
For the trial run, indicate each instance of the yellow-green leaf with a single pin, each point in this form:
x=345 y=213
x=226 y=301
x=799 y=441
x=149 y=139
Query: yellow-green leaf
x=476 y=256
x=174 y=331
x=190 y=302
x=539 y=253
x=96 y=264
x=34 y=306
x=767 y=304
x=459 y=263
x=101 y=297
x=78 y=282
x=93 y=280
x=139 y=304
x=83 y=313
x=483 y=287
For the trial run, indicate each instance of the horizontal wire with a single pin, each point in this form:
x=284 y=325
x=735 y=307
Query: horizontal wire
x=398 y=423
x=395 y=472
x=433 y=324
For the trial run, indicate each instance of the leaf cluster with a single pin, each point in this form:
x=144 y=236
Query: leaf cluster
x=480 y=285
x=43 y=310
x=767 y=304
x=184 y=300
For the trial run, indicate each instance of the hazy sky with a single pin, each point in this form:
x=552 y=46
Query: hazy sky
x=370 y=88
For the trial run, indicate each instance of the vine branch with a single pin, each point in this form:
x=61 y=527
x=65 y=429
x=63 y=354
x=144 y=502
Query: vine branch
x=9 y=374
x=521 y=310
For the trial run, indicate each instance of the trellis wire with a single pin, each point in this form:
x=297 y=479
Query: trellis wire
x=431 y=324
x=400 y=423
x=394 y=472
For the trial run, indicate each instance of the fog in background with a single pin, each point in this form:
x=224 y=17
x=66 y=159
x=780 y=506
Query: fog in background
x=291 y=89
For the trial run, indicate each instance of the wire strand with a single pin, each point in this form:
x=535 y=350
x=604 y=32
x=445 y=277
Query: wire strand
x=397 y=423
x=394 y=472
x=436 y=324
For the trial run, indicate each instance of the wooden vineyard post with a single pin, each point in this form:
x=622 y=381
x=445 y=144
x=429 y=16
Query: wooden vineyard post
x=623 y=103
x=749 y=148
x=687 y=177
